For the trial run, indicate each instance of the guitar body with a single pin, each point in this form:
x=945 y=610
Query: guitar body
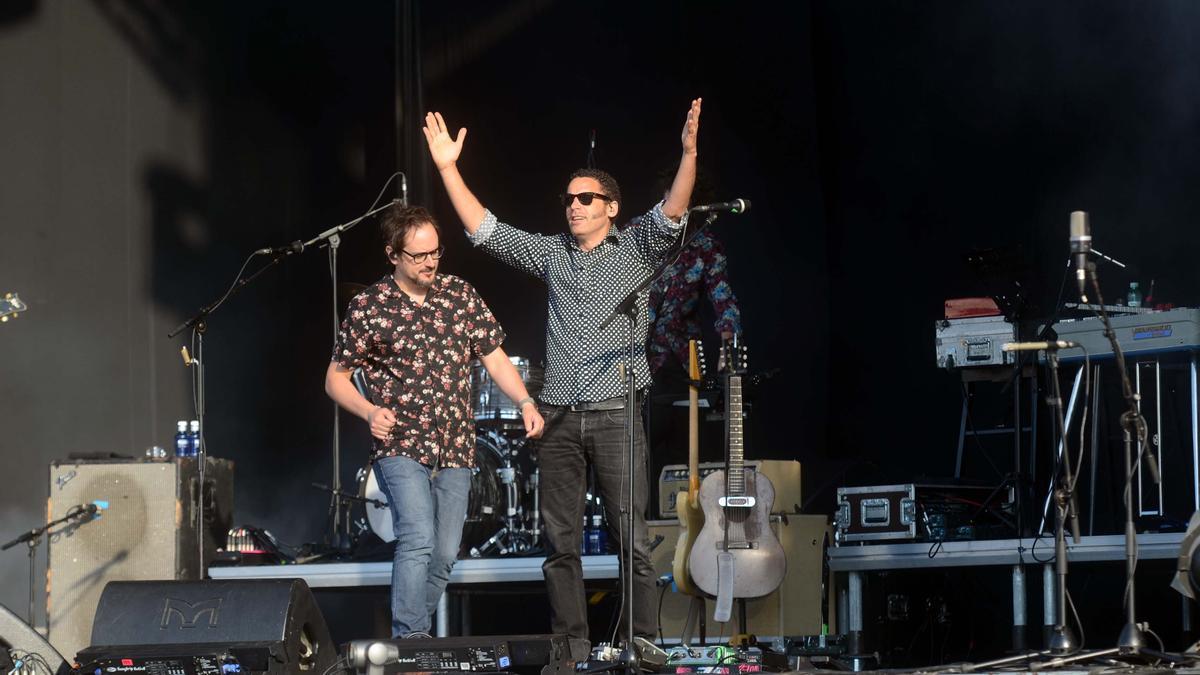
x=691 y=522
x=759 y=562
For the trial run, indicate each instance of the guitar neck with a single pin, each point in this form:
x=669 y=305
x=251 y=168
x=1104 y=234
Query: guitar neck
x=736 y=477
x=693 y=420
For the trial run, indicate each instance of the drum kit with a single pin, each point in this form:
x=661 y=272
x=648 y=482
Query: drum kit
x=502 y=512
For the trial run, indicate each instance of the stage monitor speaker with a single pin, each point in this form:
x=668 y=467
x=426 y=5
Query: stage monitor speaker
x=271 y=626
x=147 y=531
x=795 y=608
x=16 y=636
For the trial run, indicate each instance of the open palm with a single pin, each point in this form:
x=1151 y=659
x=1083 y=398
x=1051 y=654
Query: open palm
x=442 y=148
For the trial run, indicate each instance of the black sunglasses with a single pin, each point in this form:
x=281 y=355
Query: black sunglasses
x=585 y=198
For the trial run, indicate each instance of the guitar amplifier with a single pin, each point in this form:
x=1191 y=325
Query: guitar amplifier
x=783 y=474
x=913 y=511
x=147 y=532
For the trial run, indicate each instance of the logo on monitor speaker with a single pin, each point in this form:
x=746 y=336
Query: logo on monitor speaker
x=189 y=613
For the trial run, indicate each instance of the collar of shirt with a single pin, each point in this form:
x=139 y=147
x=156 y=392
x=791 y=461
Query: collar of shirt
x=391 y=288
x=610 y=238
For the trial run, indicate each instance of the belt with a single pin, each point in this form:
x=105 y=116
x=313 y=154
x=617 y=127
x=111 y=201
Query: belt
x=615 y=403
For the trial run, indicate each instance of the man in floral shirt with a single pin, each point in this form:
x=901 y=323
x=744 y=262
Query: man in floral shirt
x=413 y=334
x=675 y=296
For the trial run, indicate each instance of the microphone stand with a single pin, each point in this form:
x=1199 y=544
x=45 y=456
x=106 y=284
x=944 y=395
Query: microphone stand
x=34 y=537
x=1062 y=640
x=199 y=325
x=630 y=657
x=339 y=537
x=1132 y=639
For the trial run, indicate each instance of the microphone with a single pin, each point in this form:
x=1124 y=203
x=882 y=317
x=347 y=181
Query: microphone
x=1081 y=246
x=735 y=206
x=1038 y=346
x=294 y=247
x=403 y=189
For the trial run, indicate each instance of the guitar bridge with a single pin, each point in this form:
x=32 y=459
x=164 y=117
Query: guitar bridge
x=737 y=546
x=739 y=501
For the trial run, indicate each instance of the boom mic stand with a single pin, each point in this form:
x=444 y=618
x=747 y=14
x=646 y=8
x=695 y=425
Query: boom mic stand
x=1132 y=639
x=77 y=515
x=630 y=654
x=199 y=324
x=1062 y=640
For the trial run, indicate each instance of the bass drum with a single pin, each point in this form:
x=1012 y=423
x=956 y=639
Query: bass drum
x=484 y=507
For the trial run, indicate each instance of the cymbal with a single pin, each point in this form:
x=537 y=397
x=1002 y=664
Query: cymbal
x=346 y=290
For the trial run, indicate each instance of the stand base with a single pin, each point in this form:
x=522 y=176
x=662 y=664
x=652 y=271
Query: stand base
x=1062 y=641
x=1131 y=639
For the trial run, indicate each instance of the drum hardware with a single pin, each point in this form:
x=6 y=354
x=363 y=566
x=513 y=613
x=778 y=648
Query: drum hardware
x=498 y=520
x=344 y=502
x=514 y=536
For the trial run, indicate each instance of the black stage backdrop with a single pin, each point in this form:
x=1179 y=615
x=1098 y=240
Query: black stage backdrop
x=147 y=150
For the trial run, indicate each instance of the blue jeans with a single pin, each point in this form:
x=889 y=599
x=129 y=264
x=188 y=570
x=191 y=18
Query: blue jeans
x=428 y=511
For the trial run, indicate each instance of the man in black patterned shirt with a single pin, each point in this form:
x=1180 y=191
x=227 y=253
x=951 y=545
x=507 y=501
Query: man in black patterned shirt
x=588 y=270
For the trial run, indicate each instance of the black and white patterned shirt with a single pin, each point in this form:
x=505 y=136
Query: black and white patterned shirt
x=584 y=288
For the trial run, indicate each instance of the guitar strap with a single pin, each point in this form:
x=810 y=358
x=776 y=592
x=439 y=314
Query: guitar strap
x=724 y=607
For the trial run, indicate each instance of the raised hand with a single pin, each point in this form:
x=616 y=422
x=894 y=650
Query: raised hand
x=443 y=149
x=691 y=127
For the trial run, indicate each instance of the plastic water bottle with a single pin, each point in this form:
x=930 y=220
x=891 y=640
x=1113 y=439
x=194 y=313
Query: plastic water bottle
x=596 y=537
x=1134 y=298
x=183 y=444
x=194 y=438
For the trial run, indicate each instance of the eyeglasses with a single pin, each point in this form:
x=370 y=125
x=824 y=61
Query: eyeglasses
x=585 y=198
x=419 y=258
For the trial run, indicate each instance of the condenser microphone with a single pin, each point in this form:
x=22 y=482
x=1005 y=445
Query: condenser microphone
x=1081 y=246
x=735 y=206
x=403 y=189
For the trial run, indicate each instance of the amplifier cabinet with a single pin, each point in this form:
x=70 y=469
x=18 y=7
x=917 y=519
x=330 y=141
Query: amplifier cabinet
x=795 y=608
x=784 y=476
x=147 y=531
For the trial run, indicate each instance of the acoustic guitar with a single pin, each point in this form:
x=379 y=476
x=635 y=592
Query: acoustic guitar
x=736 y=554
x=687 y=506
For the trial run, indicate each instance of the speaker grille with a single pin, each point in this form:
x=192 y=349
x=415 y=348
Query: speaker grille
x=146 y=533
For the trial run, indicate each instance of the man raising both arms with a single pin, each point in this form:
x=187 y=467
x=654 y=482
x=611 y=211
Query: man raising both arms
x=588 y=270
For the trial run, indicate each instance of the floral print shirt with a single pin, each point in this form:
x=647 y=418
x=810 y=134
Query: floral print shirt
x=417 y=362
x=675 y=300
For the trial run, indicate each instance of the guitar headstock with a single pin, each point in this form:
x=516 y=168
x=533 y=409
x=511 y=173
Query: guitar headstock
x=11 y=306
x=735 y=356
x=697 y=368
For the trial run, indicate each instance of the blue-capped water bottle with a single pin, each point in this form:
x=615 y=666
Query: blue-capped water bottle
x=182 y=443
x=1134 y=297
x=597 y=538
x=194 y=438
